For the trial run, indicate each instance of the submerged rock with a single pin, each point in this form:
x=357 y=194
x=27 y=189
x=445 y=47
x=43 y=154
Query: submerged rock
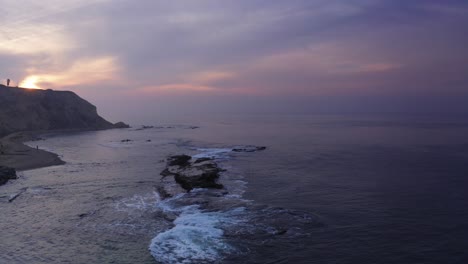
x=6 y=174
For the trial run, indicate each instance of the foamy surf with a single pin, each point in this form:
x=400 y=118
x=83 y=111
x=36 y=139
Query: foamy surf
x=218 y=225
x=213 y=153
x=197 y=236
x=138 y=202
x=201 y=218
x=223 y=153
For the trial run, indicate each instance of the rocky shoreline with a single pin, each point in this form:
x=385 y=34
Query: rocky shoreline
x=183 y=173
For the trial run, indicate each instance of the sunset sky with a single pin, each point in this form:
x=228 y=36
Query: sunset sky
x=301 y=55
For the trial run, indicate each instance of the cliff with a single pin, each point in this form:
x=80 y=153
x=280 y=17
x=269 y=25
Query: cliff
x=33 y=109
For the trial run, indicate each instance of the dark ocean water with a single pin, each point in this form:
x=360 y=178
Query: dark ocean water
x=328 y=189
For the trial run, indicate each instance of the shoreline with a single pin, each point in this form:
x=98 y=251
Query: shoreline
x=15 y=154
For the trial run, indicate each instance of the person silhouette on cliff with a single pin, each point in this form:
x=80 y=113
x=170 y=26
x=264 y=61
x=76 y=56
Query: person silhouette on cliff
x=8 y=82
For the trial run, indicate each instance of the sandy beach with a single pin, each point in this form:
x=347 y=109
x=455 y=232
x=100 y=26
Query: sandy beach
x=15 y=154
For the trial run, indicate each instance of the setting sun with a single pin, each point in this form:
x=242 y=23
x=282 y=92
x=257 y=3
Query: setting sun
x=30 y=82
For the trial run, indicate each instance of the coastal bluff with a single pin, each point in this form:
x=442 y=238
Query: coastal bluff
x=42 y=110
x=26 y=113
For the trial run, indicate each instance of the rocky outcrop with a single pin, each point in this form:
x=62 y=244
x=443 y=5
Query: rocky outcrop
x=248 y=149
x=179 y=160
x=34 y=109
x=7 y=174
x=121 y=125
x=183 y=173
x=189 y=175
x=144 y=127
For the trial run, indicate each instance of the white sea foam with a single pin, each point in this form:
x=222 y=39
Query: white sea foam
x=194 y=239
x=138 y=202
x=213 y=153
x=222 y=153
x=197 y=236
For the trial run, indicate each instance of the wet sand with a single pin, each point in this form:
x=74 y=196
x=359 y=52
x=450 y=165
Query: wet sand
x=15 y=154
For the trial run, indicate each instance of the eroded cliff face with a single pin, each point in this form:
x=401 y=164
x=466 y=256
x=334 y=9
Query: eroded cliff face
x=32 y=109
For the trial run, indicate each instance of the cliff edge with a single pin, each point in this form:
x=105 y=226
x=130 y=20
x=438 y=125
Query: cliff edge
x=34 y=109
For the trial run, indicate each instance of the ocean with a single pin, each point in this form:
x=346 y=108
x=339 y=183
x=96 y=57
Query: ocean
x=328 y=189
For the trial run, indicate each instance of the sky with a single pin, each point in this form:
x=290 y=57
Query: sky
x=134 y=58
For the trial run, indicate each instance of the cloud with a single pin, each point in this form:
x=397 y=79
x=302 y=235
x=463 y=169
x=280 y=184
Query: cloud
x=242 y=47
x=211 y=76
x=176 y=88
x=446 y=8
x=326 y=68
x=29 y=27
x=85 y=71
x=325 y=58
x=34 y=39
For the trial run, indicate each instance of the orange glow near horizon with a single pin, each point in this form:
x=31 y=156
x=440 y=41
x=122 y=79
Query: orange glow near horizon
x=81 y=72
x=30 y=82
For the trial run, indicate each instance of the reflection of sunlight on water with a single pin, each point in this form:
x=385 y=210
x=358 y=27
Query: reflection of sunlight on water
x=30 y=82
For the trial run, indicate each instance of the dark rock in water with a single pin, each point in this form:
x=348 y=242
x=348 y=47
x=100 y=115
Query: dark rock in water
x=144 y=127
x=162 y=192
x=200 y=174
x=202 y=160
x=166 y=172
x=198 y=178
x=281 y=232
x=248 y=149
x=121 y=125
x=7 y=173
x=179 y=160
